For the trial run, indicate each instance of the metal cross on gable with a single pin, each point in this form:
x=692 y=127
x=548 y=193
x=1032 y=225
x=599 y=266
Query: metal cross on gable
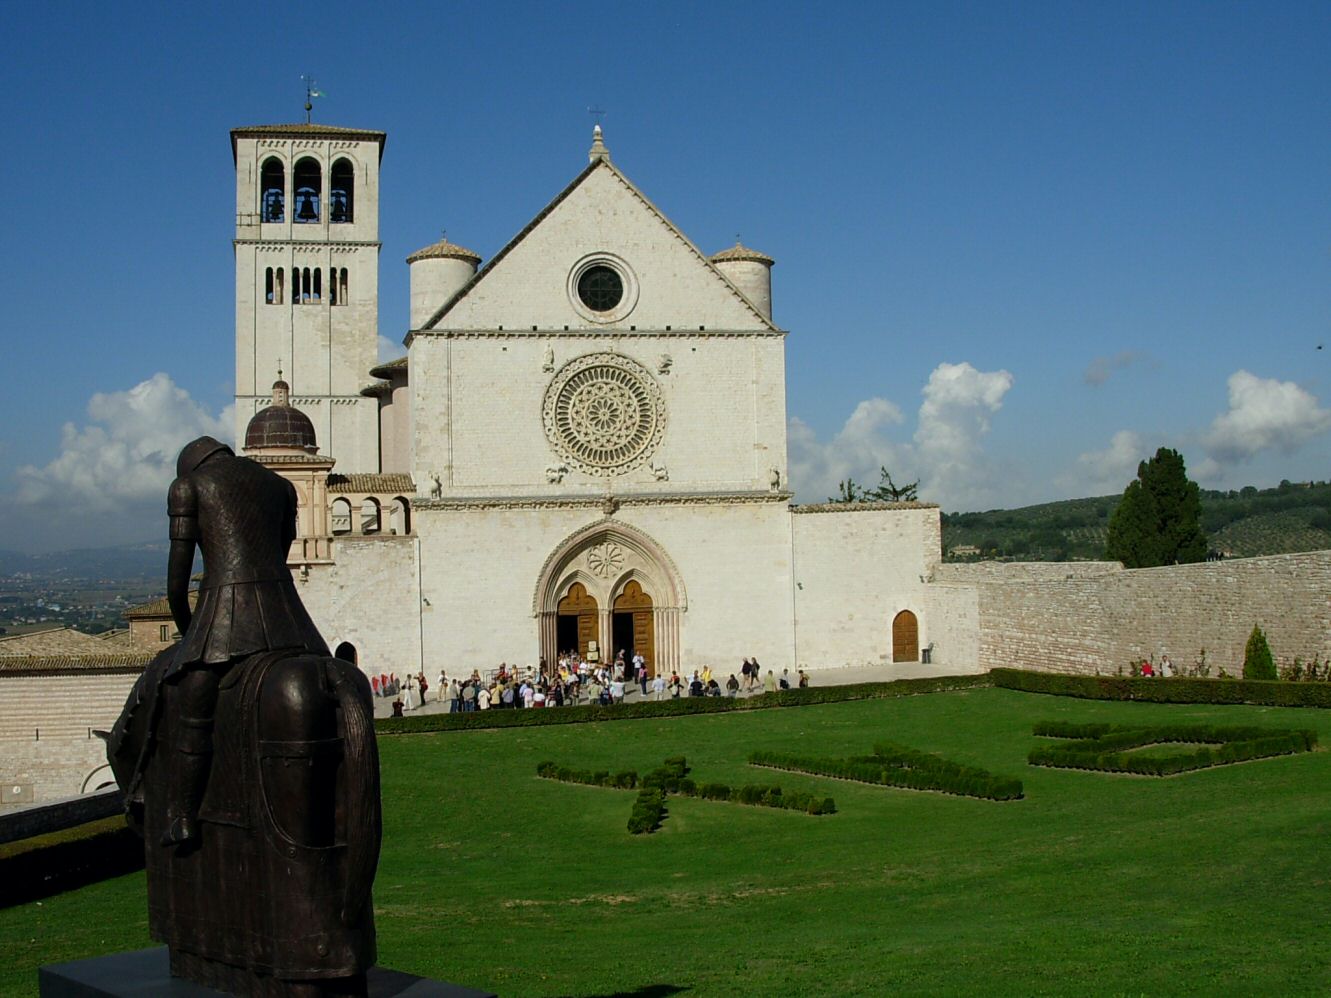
x=596 y=111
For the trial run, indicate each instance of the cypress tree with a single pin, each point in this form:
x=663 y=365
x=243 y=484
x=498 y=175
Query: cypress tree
x=1257 y=660
x=1158 y=520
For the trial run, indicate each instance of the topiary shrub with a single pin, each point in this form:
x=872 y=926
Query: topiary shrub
x=1257 y=660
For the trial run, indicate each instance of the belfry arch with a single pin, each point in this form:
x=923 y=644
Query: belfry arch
x=620 y=569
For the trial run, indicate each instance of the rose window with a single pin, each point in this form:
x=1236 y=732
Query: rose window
x=604 y=413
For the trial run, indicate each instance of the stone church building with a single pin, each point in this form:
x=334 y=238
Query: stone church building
x=584 y=445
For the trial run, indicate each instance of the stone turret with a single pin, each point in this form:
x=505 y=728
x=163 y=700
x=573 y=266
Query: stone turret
x=438 y=272
x=750 y=271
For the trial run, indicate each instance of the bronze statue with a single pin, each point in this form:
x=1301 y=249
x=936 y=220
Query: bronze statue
x=247 y=755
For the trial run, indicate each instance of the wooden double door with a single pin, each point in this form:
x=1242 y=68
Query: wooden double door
x=629 y=624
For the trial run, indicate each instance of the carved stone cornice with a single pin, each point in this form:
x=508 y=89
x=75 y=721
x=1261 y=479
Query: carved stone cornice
x=320 y=244
x=600 y=334
x=598 y=501
x=860 y=507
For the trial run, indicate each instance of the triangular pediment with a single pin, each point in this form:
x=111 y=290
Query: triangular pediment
x=602 y=216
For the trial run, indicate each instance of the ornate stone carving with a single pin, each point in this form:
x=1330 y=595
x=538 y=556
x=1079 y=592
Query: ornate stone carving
x=605 y=560
x=548 y=359
x=604 y=414
x=664 y=363
x=659 y=471
x=554 y=473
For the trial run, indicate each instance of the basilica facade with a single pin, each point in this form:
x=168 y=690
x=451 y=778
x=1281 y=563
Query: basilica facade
x=584 y=445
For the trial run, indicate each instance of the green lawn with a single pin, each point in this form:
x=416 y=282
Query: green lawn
x=1213 y=882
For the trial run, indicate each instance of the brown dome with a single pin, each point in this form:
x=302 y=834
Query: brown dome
x=281 y=425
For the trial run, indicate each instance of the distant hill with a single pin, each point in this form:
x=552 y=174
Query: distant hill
x=129 y=562
x=1240 y=524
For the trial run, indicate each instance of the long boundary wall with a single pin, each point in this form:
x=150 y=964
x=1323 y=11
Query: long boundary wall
x=1098 y=619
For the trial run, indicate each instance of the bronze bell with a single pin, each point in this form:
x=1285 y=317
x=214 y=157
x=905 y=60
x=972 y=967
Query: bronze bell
x=307 y=212
x=338 y=211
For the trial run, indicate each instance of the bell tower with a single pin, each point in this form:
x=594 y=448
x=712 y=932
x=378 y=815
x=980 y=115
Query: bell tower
x=307 y=279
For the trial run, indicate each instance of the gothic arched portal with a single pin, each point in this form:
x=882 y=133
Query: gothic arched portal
x=627 y=589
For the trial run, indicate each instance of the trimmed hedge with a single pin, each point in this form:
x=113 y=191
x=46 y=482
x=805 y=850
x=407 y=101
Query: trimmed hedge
x=897 y=766
x=1105 y=747
x=509 y=718
x=1265 y=693
x=625 y=780
x=672 y=778
x=38 y=867
x=648 y=811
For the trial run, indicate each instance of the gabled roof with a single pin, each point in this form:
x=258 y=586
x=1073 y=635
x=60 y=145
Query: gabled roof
x=560 y=198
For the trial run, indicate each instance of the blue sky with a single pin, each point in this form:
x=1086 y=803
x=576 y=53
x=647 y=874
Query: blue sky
x=1018 y=246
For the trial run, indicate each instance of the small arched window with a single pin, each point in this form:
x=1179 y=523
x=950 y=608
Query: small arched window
x=318 y=283
x=269 y=288
x=303 y=295
x=342 y=286
x=400 y=516
x=272 y=189
x=307 y=180
x=341 y=191
x=341 y=516
x=369 y=516
x=278 y=286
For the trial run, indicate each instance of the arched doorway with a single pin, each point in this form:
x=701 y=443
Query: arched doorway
x=577 y=624
x=632 y=625
x=905 y=637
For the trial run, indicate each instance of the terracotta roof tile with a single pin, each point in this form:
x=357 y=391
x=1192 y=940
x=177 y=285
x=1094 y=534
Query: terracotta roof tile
x=56 y=641
x=45 y=665
x=390 y=482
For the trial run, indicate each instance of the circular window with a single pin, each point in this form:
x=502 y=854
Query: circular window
x=600 y=288
x=604 y=413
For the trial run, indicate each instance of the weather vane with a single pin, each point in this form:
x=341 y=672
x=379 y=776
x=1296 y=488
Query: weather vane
x=596 y=112
x=311 y=91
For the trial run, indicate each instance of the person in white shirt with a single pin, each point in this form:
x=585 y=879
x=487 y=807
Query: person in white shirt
x=483 y=699
x=658 y=686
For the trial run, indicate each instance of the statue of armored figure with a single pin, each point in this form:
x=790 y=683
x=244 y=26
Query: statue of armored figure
x=247 y=755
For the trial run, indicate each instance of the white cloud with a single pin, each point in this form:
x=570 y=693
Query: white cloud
x=958 y=403
x=945 y=455
x=1263 y=414
x=1100 y=369
x=860 y=447
x=126 y=454
x=1103 y=472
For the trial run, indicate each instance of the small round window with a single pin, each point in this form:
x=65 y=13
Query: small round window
x=600 y=288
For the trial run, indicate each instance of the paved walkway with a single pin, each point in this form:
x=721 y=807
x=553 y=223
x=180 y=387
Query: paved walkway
x=383 y=706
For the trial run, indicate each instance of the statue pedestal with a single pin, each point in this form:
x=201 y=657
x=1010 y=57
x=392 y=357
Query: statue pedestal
x=146 y=973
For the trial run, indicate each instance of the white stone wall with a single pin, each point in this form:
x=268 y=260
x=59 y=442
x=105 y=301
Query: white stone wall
x=370 y=598
x=855 y=570
x=477 y=413
x=481 y=568
x=45 y=747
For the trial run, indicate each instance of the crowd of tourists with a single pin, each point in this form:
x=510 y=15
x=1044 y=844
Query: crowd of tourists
x=575 y=680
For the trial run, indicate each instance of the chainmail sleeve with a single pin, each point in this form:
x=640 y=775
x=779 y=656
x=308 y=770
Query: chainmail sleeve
x=183 y=508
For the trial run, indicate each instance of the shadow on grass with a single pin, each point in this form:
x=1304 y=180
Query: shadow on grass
x=646 y=991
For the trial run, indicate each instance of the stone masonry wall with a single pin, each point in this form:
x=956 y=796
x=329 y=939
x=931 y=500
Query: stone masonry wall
x=1100 y=623
x=46 y=751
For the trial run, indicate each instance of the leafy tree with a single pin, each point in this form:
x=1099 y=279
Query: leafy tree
x=889 y=491
x=1158 y=520
x=1257 y=660
x=885 y=491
